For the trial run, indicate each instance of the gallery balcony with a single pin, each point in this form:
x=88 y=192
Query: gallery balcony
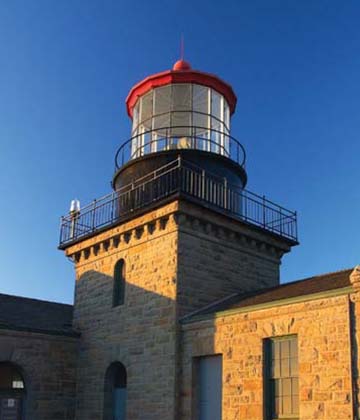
x=178 y=178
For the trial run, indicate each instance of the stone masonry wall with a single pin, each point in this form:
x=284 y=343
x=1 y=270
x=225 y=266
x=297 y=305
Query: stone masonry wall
x=219 y=256
x=141 y=333
x=323 y=331
x=48 y=363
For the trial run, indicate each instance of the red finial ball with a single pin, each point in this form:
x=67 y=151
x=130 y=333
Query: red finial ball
x=181 y=65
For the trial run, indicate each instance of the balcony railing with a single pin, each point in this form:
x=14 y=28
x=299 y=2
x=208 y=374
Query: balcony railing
x=180 y=137
x=187 y=179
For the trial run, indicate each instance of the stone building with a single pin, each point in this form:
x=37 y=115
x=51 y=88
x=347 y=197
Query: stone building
x=179 y=312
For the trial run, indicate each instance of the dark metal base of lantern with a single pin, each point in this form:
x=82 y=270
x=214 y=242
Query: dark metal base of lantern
x=218 y=167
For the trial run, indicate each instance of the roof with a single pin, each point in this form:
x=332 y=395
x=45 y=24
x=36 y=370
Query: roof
x=24 y=314
x=180 y=76
x=300 y=288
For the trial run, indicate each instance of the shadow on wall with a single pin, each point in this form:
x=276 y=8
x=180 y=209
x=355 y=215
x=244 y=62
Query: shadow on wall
x=128 y=342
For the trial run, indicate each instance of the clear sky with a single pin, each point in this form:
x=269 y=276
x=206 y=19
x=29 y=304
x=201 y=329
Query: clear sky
x=67 y=66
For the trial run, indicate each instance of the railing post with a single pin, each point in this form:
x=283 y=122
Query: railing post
x=203 y=184
x=225 y=193
x=264 y=215
x=93 y=215
x=113 y=199
x=281 y=222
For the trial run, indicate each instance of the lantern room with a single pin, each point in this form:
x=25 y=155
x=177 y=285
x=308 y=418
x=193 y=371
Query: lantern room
x=181 y=112
x=193 y=108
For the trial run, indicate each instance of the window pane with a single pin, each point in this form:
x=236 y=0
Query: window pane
x=277 y=407
x=200 y=99
x=146 y=109
x=136 y=116
x=182 y=123
x=285 y=369
x=285 y=349
x=275 y=369
x=276 y=349
x=226 y=115
x=215 y=104
x=286 y=401
x=162 y=99
x=295 y=404
x=295 y=386
x=293 y=366
x=277 y=388
x=286 y=387
x=293 y=348
x=181 y=97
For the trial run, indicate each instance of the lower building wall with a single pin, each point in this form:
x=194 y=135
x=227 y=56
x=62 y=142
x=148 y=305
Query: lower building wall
x=48 y=364
x=140 y=333
x=325 y=381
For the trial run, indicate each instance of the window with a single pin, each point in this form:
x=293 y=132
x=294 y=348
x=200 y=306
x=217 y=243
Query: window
x=115 y=392
x=208 y=387
x=281 y=380
x=119 y=283
x=12 y=392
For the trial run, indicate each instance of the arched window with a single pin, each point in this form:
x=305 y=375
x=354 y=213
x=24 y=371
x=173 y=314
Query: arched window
x=12 y=392
x=115 y=392
x=119 y=283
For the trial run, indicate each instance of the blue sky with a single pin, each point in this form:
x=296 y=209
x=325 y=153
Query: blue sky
x=67 y=66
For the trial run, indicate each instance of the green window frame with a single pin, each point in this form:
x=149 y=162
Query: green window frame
x=281 y=378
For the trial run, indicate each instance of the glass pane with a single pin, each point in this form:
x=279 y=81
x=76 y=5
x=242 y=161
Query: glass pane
x=285 y=371
x=181 y=97
x=200 y=99
x=136 y=116
x=200 y=120
x=286 y=405
x=161 y=121
x=275 y=348
x=293 y=347
x=277 y=388
x=275 y=369
x=146 y=109
x=226 y=115
x=277 y=408
x=294 y=366
x=295 y=404
x=285 y=349
x=182 y=123
x=286 y=387
x=216 y=104
x=295 y=386
x=162 y=100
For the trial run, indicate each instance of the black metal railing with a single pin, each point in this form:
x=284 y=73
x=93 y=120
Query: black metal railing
x=180 y=137
x=182 y=177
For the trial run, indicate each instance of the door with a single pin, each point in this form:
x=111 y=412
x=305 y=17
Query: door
x=10 y=408
x=210 y=387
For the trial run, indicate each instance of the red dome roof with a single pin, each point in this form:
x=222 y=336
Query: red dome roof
x=181 y=65
x=180 y=73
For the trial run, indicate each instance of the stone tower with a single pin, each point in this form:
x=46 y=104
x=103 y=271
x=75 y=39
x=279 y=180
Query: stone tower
x=178 y=232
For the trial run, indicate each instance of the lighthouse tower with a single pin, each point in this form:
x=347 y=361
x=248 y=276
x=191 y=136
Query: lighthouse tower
x=178 y=232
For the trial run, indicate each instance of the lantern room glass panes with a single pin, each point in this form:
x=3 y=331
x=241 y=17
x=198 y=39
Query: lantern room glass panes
x=181 y=115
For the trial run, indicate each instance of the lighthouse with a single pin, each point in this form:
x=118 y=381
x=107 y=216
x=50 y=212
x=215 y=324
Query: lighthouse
x=178 y=232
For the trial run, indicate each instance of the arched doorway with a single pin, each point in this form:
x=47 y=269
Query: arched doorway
x=12 y=392
x=115 y=392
